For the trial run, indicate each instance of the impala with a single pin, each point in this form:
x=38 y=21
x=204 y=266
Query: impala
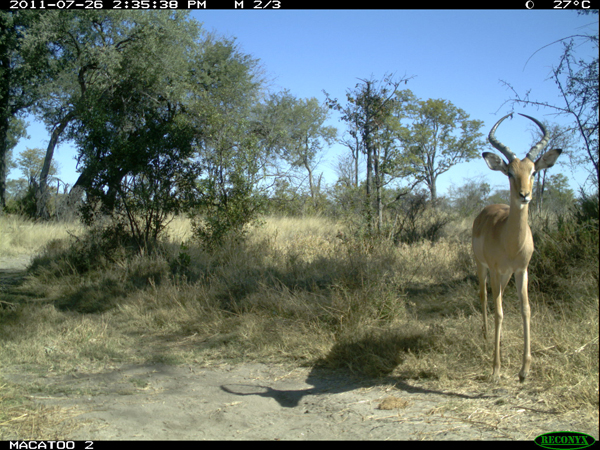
x=502 y=241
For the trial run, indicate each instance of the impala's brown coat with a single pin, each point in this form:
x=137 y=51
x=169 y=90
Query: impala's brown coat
x=502 y=240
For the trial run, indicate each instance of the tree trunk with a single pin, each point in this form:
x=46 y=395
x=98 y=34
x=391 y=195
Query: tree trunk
x=378 y=186
x=5 y=118
x=42 y=196
x=368 y=203
x=311 y=185
x=433 y=190
x=356 y=168
x=369 y=150
x=3 y=165
x=543 y=187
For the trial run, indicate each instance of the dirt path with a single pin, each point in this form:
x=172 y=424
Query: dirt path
x=258 y=401
x=268 y=401
x=12 y=270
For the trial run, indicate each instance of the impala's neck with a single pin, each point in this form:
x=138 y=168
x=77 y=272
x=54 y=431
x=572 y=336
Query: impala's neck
x=517 y=225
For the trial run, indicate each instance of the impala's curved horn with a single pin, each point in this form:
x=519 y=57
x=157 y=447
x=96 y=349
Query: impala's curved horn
x=537 y=148
x=499 y=145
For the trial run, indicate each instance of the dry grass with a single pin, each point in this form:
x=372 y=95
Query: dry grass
x=21 y=236
x=21 y=418
x=296 y=290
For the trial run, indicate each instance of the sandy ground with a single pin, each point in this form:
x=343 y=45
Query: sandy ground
x=252 y=401
x=273 y=402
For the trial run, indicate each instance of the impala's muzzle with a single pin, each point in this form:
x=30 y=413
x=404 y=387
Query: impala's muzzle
x=525 y=197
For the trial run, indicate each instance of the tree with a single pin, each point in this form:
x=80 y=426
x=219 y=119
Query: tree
x=576 y=79
x=17 y=129
x=91 y=52
x=22 y=192
x=559 y=137
x=134 y=136
x=20 y=75
x=369 y=113
x=30 y=163
x=558 y=196
x=441 y=136
x=469 y=198
x=301 y=136
x=352 y=140
x=232 y=145
x=499 y=196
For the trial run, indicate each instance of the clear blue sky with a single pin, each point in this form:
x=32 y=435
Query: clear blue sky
x=460 y=56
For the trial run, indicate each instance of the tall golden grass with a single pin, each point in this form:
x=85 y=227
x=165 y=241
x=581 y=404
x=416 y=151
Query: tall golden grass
x=20 y=236
x=298 y=290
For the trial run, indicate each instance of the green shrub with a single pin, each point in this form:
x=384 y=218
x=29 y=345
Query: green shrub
x=565 y=262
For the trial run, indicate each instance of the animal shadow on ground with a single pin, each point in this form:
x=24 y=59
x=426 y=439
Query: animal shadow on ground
x=326 y=380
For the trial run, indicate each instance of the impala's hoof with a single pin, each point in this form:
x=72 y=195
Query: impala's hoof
x=522 y=377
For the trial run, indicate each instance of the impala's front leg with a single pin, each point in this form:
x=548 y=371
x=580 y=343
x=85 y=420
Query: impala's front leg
x=498 y=317
x=482 y=274
x=521 y=282
x=499 y=282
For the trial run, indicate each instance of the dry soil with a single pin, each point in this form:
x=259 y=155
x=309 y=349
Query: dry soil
x=255 y=401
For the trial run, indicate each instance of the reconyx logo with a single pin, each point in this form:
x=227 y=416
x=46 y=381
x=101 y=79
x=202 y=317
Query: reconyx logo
x=564 y=440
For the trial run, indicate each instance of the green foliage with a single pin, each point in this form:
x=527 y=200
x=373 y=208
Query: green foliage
x=101 y=74
x=441 y=136
x=229 y=145
x=403 y=138
x=17 y=129
x=565 y=262
x=372 y=112
x=166 y=119
x=30 y=162
x=124 y=82
x=297 y=131
x=24 y=191
x=284 y=200
x=227 y=212
x=586 y=211
x=181 y=264
x=21 y=76
x=24 y=204
x=557 y=196
x=347 y=200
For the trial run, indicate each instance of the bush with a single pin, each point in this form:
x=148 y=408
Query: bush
x=417 y=220
x=225 y=220
x=565 y=262
x=98 y=248
x=25 y=205
x=94 y=272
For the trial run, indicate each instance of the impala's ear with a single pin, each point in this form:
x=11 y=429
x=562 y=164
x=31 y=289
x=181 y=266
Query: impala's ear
x=547 y=159
x=494 y=162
